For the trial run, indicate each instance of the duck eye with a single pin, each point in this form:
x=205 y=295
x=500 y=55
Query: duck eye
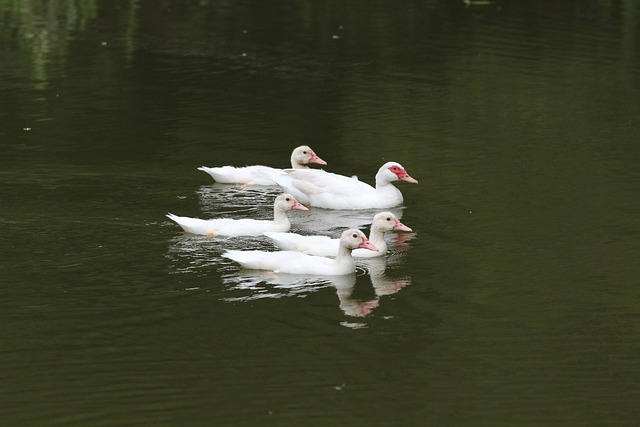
x=388 y=218
x=304 y=152
x=288 y=199
x=355 y=235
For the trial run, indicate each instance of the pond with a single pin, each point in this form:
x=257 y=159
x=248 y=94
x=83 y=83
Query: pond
x=514 y=300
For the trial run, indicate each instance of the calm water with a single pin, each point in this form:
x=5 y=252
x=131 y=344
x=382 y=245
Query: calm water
x=516 y=300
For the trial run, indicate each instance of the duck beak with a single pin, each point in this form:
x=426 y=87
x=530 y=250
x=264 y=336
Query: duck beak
x=297 y=205
x=400 y=226
x=366 y=244
x=317 y=160
x=406 y=177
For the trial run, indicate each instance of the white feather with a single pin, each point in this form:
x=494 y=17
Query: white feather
x=242 y=227
x=326 y=246
x=292 y=262
x=261 y=175
x=332 y=191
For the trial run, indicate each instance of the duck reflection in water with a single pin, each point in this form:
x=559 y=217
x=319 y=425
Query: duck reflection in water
x=383 y=284
x=266 y=284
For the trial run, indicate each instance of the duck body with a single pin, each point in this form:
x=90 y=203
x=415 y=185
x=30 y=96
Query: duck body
x=249 y=175
x=332 y=191
x=242 y=227
x=293 y=262
x=228 y=226
x=326 y=246
x=258 y=174
x=312 y=245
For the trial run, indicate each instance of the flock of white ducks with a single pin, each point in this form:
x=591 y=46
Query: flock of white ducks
x=312 y=254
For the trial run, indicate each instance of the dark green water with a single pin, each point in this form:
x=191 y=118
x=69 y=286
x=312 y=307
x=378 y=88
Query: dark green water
x=516 y=300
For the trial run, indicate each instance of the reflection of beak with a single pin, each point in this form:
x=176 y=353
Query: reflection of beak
x=366 y=244
x=317 y=160
x=402 y=239
x=299 y=206
x=399 y=284
x=407 y=177
x=400 y=226
x=367 y=307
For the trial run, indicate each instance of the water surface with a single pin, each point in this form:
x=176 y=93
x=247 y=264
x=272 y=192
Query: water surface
x=513 y=302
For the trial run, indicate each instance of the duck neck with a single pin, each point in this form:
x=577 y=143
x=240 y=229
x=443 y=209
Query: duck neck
x=280 y=216
x=376 y=236
x=382 y=183
x=344 y=261
x=387 y=190
x=344 y=255
x=296 y=164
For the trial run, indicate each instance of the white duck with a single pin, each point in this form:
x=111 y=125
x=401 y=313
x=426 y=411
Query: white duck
x=331 y=191
x=326 y=246
x=293 y=262
x=258 y=175
x=242 y=227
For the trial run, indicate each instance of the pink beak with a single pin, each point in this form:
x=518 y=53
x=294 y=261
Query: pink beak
x=406 y=177
x=400 y=226
x=366 y=244
x=297 y=205
x=317 y=160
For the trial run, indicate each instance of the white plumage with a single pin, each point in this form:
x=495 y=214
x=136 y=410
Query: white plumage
x=242 y=227
x=259 y=175
x=292 y=262
x=326 y=246
x=332 y=191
